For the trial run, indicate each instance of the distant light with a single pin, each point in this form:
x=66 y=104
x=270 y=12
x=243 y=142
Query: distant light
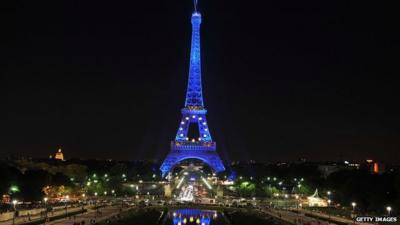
x=205 y=135
x=193 y=116
x=186 y=118
x=181 y=135
x=204 y=123
x=182 y=122
x=180 y=128
x=14 y=188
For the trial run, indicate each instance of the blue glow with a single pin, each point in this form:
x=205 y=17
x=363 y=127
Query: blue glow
x=194 y=94
x=194 y=113
x=191 y=216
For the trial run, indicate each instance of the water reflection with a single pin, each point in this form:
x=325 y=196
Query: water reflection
x=193 y=216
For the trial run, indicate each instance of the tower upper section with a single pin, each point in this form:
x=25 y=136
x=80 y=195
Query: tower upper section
x=194 y=93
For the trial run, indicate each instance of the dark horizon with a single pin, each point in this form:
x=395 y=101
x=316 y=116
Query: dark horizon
x=281 y=80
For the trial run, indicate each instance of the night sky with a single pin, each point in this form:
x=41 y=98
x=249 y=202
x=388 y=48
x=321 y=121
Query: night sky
x=282 y=79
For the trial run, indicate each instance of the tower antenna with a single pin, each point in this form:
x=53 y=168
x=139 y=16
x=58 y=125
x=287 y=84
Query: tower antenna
x=195 y=5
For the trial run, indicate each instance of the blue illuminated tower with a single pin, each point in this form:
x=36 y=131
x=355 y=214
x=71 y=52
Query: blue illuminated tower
x=202 y=146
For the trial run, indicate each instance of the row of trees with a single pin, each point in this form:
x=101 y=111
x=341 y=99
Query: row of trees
x=372 y=192
x=26 y=180
x=31 y=180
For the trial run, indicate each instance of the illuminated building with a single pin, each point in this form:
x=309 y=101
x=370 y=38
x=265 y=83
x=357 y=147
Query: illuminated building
x=375 y=167
x=316 y=201
x=201 y=146
x=59 y=155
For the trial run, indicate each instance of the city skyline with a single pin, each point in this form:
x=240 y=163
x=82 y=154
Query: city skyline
x=281 y=83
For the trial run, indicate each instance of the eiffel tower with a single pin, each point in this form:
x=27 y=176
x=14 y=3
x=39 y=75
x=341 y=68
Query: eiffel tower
x=202 y=146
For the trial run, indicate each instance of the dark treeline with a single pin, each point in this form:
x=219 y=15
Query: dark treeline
x=25 y=180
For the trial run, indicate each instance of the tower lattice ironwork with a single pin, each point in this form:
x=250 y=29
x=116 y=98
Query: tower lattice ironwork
x=202 y=146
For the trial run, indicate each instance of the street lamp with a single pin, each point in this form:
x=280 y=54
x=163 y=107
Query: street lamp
x=95 y=204
x=354 y=204
x=45 y=209
x=14 y=202
x=388 y=209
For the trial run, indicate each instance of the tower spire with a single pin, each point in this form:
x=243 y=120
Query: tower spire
x=194 y=94
x=195 y=5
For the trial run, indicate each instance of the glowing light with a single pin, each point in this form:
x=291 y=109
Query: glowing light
x=204 y=123
x=205 y=135
x=180 y=182
x=194 y=116
x=186 y=118
x=182 y=122
x=181 y=135
x=14 y=188
x=200 y=118
x=180 y=128
x=207 y=184
x=389 y=209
